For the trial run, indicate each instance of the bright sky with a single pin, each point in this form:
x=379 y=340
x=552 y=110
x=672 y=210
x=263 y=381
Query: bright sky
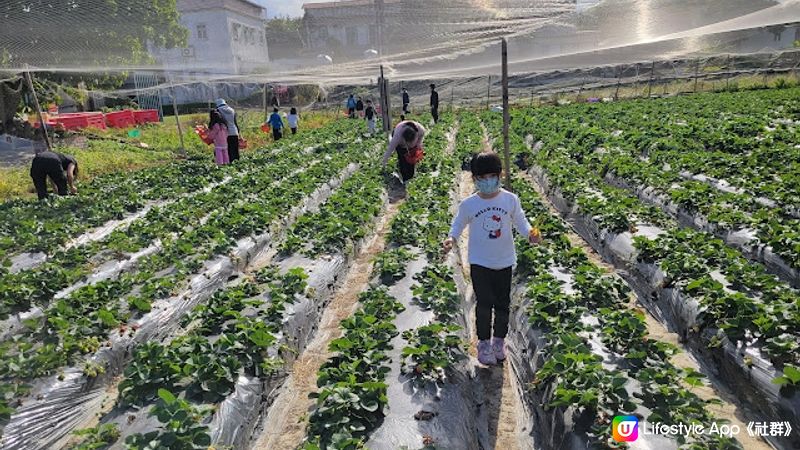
x=282 y=8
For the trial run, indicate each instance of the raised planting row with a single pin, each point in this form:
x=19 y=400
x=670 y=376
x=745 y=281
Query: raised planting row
x=79 y=324
x=122 y=248
x=41 y=229
x=219 y=371
x=734 y=315
x=399 y=386
x=582 y=351
x=635 y=147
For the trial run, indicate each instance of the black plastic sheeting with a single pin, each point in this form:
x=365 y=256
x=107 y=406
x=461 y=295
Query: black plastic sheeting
x=57 y=407
x=752 y=383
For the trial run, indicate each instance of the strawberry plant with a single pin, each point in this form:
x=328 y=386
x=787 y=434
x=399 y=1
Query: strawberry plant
x=431 y=351
x=97 y=438
x=181 y=429
x=391 y=264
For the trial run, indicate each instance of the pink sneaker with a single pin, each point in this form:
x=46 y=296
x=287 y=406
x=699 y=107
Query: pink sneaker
x=499 y=349
x=485 y=353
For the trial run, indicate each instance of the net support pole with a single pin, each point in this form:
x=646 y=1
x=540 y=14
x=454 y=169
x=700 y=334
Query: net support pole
x=264 y=100
x=29 y=80
x=182 y=150
x=506 y=114
x=488 y=89
x=384 y=102
x=619 y=81
x=650 y=82
x=696 y=73
x=728 y=75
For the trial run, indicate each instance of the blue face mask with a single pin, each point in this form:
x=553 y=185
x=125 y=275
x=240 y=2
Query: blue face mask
x=488 y=185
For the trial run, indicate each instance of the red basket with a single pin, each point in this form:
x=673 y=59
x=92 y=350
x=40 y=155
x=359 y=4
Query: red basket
x=146 y=116
x=120 y=119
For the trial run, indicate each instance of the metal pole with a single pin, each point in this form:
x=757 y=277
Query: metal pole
x=488 y=90
x=506 y=115
x=650 y=83
x=178 y=121
x=29 y=80
x=696 y=71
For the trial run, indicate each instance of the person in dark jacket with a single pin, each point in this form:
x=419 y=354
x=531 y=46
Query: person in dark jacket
x=62 y=170
x=406 y=101
x=434 y=103
x=360 y=107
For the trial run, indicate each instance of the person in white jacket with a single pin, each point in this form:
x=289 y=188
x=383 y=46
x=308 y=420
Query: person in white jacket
x=292 y=119
x=490 y=213
x=233 y=128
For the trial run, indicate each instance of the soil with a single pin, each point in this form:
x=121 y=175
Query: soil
x=286 y=423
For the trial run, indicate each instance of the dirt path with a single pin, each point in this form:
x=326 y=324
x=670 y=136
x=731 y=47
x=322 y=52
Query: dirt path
x=727 y=410
x=285 y=425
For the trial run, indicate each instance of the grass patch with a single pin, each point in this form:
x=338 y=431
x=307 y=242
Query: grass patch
x=99 y=158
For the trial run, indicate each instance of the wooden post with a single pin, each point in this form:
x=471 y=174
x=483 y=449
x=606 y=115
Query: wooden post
x=506 y=114
x=531 y=97
x=650 y=83
x=384 y=102
x=696 y=71
x=619 y=80
x=488 y=90
x=29 y=80
x=178 y=121
x=266 y=114
x=452 y=97
x=728 y=75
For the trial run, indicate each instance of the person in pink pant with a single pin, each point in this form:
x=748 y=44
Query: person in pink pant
x=218 y=133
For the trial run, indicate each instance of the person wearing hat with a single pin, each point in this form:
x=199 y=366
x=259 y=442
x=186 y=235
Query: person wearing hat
x=233 y=128
x=60 y=168
x=434 y=103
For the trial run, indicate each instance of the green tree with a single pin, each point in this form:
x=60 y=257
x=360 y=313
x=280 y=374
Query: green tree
x=97 y=36
x=283 y=37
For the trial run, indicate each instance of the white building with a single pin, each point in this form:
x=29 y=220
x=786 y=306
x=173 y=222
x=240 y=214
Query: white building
x=225 y=37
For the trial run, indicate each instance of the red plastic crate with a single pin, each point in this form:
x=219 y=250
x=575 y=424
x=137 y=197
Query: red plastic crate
x=120 y=119
x=146 y=116
x=75 y=121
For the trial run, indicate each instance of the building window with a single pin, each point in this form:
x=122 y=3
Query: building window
x=202 y=33
x=373 y=34
x=235 y=27
x=352 y=35
x=323 y=33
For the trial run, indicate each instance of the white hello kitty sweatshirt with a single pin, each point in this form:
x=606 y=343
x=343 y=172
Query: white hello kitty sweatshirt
x=490 y=242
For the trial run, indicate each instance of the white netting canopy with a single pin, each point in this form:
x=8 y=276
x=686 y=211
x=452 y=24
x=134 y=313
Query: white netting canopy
x=345 y=42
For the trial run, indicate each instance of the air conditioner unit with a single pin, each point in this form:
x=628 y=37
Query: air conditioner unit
x=188 y=52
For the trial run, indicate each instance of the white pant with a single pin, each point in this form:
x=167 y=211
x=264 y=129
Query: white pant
x=371 y=126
